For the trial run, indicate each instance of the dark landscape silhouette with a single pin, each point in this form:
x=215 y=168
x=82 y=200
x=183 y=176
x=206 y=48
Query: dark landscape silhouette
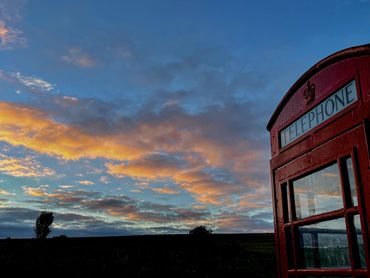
x=215 y=255
x=201 y=253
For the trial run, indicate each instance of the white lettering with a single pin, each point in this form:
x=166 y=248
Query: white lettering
x=320 y=113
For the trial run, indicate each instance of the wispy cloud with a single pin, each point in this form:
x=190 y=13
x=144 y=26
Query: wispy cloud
x=231 y=222
x=65 y=186
x=86 y=182
x=104 y=180
x=33 y=82
x=117 y=207
x=17 y=222
x=35 y=191
x=78 y=58
x=26 y=166
x=165 y=190
x=6 y=193
x=11 y=36
x=124 y=208
x=155 y=166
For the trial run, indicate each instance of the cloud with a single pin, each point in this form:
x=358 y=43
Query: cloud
x=179 y=149
x=230 y=222
x=26 y=166
x=206 y=138
x=59 y=198
x=3 y=30
x=10 y=10
x=104 y=180
x=120 y=207
x=151 y=167
x=33 y=129
x=10 y=38
x=10 y=17
x=33 y=83
x=142 y=213
x=127 y=209
x=165 y=190
x=70 y=99
x=18 y=222
x=65 y=186
x=6 y=193
x=86 y=182
x=35 y=191
x=78 y=58
x=207 y=187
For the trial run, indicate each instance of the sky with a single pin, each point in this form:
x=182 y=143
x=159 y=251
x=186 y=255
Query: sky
x=149 y=117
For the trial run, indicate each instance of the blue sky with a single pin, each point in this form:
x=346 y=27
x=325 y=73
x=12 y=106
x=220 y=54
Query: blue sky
x=145 y=117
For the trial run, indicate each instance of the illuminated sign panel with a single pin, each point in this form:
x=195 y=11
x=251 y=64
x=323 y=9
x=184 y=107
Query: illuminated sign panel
x=320 y=113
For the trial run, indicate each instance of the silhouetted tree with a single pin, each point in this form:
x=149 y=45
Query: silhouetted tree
x=200 y=230
x=43 y=224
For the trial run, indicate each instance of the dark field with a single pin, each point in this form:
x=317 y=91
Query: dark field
x=239 y=255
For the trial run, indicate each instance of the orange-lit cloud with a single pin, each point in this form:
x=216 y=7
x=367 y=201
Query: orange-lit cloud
x=74 y=197
x=6 y=193
x=202 y=185
x=4 y=31
x=147 y=152
x=148 y=167
x=23 y=167
x=121 y=207
x=165 y=190
x=35 y=191
x=86 y=182
x=10 y=37
x=128 y=209
x=31 y=128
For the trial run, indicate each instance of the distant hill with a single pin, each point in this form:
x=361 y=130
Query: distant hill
x=216 y=255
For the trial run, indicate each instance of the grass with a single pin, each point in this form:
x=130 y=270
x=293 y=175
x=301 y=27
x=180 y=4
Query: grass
x=217 y=255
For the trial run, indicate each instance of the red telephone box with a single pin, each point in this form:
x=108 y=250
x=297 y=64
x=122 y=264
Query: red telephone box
x=320 y=169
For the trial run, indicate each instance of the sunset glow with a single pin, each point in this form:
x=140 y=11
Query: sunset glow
x=146 y=117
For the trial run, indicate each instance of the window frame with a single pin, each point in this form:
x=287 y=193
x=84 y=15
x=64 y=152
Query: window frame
x=347 y=212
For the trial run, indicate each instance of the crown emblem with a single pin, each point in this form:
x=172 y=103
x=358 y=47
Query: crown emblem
x=309 y=93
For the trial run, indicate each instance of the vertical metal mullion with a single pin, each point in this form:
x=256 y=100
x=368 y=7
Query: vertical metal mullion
x=344 y=180
x=347 y=203
x=358 y=182
x=366 y=124
x=294 y=229
x=354 y=246
x=292 y=201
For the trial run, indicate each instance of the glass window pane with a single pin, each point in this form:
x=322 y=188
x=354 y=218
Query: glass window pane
x=289 y=247
x=351 y=179
x=324 y=245
x=318 y=192
x=360 y=242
